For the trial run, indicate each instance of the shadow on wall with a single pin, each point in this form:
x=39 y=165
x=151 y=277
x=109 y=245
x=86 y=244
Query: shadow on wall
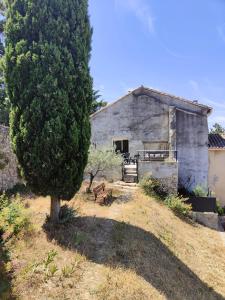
x=117 y=244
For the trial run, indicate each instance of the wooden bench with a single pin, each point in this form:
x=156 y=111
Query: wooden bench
x=101 y=195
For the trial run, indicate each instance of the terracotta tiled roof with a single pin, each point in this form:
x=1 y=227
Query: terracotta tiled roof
x=216 y=141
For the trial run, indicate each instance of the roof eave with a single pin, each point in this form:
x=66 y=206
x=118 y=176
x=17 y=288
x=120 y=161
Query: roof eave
x=142 y=89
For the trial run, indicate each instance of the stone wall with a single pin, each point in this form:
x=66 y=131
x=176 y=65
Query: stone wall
x=208 y=219
x=115 y=174
x=166 y=172
x=9 y=174
x=147 y=116
x=136 y=119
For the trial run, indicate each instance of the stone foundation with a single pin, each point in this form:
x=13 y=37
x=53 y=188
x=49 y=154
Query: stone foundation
x=9 y=174
x=166 y=172
x=112 y=175
x=209 y=219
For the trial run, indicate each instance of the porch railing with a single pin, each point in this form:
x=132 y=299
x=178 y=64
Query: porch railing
x=156 y=155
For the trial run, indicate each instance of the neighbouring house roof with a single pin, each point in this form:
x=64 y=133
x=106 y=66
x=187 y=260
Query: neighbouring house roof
x=216 y=141
x=142 y=90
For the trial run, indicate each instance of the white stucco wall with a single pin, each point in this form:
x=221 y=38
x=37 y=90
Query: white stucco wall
x=192 y=149
x=136 y=119
x=153 y=117
x=217 y=174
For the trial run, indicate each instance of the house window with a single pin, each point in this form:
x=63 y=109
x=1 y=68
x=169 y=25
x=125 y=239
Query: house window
x=121 y=146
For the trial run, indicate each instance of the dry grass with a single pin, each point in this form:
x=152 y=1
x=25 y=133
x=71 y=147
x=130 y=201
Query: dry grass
x=136 y=249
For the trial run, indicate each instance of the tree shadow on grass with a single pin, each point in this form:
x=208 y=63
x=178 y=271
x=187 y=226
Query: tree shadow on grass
x=5 y=279
x=117 y=244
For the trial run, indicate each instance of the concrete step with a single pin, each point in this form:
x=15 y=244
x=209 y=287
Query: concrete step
x=130 y=166
x=124 y=184
x=130 y=173
x=130 y=170
x=130 y=178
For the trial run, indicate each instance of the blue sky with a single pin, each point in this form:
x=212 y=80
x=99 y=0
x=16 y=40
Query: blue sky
x=171 y=45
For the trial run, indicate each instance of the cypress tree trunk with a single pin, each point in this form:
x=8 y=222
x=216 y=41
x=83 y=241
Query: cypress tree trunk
x=55 y=208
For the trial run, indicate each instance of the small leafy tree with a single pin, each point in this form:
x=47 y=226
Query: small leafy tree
x=48 y=45
x=217 y=129
x=96 y=103
x=100 y=160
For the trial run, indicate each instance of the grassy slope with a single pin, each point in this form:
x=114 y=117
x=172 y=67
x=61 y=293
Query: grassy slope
x=134 y=250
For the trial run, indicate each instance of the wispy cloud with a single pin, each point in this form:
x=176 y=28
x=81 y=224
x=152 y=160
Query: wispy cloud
x=195 y=86
x=204 y=92
x=125 y=87
x=214 y=103
x=141 y=10
x=221 y=32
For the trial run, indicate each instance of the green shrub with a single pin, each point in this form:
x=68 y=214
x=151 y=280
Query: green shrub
x=199 y=191
x=13 y=217
x=4 y=201
x=219 y=209
x=18 y=189
x=177 y=205
x=49 y=258
x=66 y=214
x=154 y=187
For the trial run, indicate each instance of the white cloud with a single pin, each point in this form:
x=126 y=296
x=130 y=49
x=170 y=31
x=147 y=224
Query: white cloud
x=141 y=10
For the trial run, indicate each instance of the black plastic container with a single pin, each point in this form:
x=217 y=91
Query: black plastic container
x=202 y=204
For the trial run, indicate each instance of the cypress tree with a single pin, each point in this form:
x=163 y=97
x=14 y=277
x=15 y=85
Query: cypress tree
x=48 y=45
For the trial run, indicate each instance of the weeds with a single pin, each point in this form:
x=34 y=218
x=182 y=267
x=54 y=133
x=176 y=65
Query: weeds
x=4 y=201
x=167 y=237
x=178 y=206
x=5 y=287
x=219 y=209
x=49 y=268
x=154 y=187
x=118 y=232
x=49 y=258
x=13 y=217
x=67 y=271
x=79 y=238
x=51 y=271
x=67 y=214
x=199 y=191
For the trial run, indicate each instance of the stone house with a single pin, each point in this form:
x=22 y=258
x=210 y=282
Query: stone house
x=217 y=166
x=167 y=135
